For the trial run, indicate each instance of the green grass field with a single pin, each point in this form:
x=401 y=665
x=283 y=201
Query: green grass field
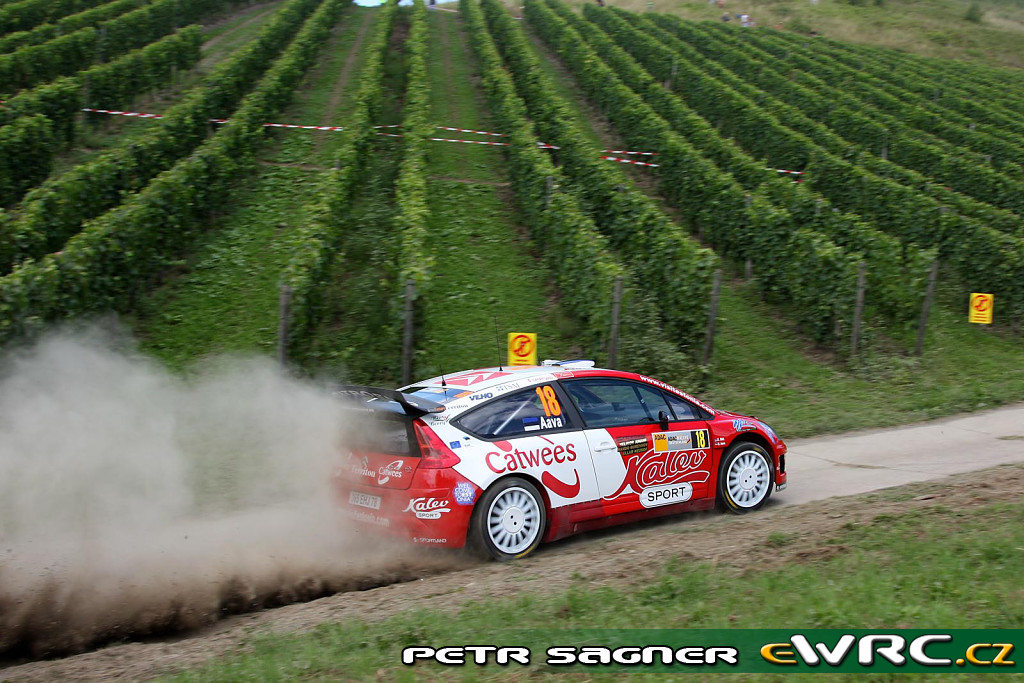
x=932 y=28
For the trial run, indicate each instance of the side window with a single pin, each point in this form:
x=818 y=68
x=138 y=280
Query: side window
x=682 y=409
x=615 y=403
x=531 y=410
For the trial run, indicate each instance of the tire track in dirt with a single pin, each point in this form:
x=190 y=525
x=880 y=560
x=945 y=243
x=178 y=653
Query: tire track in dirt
x=260 y=11
x=451 y=92
x=623 y=557
x=339 y=91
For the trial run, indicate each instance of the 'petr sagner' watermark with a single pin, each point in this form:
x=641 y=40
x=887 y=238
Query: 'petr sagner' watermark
x=568 y=656
x=741 y=650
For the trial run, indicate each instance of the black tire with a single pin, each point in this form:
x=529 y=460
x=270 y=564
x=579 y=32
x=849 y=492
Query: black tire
x=509 y=520
x=746 y=478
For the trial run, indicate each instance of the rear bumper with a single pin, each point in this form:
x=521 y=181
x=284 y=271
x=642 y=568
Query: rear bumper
x=435 y=510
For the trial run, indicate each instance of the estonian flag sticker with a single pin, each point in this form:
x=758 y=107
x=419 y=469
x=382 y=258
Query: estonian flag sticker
x=531 y=424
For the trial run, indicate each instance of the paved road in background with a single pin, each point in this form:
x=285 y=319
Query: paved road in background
x=856 y=462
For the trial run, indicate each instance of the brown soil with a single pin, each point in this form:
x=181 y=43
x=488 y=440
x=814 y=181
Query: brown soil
x=621 y=557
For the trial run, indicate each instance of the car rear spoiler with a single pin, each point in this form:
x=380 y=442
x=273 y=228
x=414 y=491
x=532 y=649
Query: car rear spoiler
x=412 y=406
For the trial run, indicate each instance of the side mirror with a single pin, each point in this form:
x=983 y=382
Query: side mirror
x=663 y=420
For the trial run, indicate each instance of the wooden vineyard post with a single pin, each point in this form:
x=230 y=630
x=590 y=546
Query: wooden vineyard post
x=410 y=296
x=929 y=293
x=858 y=310
x=283 y=324
x=613 y=337
x=709 y=341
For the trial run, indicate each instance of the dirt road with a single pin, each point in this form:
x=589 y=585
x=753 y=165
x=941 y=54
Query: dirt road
x=857 y=462
x=808 y=512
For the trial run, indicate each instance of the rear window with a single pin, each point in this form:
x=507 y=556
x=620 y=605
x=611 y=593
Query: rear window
x=385 y=433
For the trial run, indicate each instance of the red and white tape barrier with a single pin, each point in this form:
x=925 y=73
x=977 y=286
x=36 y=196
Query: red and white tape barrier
x=622 y=151
x=468 y=130
x=134 y=114
x=630 y=161
x=782 y=170
x=294 y=126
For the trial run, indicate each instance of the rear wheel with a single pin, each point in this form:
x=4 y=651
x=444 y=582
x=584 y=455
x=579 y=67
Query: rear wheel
x=745 y=478
x=508 y=521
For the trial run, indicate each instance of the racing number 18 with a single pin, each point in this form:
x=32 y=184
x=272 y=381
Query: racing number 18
x=552 y=408
x=702 y=438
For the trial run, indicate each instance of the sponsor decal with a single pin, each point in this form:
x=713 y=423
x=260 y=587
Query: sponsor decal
x=481 y=397
x=470 y=378
x=462 y=394
x=507 y=386
x=771 y=432
x=367 y=517
x=513 y=459
x=672 y=441
x=363 y=469
x=560 y=487
x=633 y=446
x=389 y=472
x=427 y=508
x=668 y=442
x=742 y=425
x=654 y=469
x=563 y=374
x=669 y=387
x=455 y=444
x=424 y=539
x=667 y=494
x=464 y=493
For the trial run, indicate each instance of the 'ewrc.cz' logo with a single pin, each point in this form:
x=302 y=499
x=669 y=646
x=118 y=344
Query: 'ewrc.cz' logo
x=882 y=646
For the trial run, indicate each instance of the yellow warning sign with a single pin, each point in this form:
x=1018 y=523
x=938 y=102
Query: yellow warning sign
x=522 y=348
x=980 y=309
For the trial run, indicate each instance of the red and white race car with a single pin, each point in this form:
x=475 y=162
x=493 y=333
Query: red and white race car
x=504 y=459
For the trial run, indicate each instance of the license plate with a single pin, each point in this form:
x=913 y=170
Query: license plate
x=364 y=500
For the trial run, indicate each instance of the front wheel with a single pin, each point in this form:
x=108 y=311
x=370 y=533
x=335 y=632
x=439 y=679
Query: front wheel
x=508 y=521
x=745 y=478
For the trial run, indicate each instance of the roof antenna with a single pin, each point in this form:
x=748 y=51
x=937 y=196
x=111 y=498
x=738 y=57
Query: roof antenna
x=497 y=343
x=443 y=383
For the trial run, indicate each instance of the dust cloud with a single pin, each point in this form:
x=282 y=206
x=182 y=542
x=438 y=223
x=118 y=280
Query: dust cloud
x=134 y=502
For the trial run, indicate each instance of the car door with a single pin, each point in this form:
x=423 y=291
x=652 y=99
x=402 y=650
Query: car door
x=639 y=464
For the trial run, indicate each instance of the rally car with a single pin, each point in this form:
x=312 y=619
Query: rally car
x=503 y=459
